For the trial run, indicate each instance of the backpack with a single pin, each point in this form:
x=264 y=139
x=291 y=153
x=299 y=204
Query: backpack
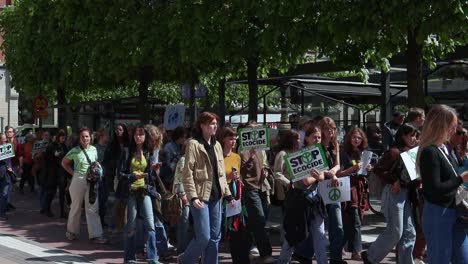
x=378 y=173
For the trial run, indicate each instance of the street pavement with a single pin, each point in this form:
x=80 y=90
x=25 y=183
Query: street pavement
x=29 y=237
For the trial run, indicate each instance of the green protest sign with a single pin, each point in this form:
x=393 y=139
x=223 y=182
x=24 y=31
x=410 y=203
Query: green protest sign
x=7 y=151
x=302 y=162
x=254 y=138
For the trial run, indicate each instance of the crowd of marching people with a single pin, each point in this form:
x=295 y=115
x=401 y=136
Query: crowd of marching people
x=162 y=187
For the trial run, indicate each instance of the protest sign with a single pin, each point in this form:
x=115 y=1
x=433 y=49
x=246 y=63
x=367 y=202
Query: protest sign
x=365 y=161
x=338 y=194
x=409 y=159
x=302 y=162
x=39 y=147
x=254 y=138
x=7 y=151
x=174 y=116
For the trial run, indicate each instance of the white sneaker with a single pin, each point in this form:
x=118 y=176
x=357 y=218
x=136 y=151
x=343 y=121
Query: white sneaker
x=254 y=251
x=418 y=261
x=169 y=245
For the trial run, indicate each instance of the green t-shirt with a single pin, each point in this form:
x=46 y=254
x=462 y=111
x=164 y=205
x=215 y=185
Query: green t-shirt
x=79 y=159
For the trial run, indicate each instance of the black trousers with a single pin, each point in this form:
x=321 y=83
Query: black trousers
x=27 y=177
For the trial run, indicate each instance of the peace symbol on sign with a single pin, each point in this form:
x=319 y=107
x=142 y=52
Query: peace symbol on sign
x=255 y=134
x=334 y=194
x=306 y=157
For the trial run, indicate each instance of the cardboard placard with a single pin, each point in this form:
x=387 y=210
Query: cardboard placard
x=409 y=159
x=174 y=116
x=7 y=151
x=254 y=138
x=338 y=194
x=302 y=162
x=39 y=147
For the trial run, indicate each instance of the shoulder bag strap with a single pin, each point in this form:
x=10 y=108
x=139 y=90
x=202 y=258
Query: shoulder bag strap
x=86 y=154
x=445 y=156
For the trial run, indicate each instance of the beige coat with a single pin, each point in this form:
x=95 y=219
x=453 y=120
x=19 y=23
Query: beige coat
x=197 y=176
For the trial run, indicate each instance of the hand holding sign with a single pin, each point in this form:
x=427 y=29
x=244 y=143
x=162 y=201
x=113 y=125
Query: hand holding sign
x=299 y=164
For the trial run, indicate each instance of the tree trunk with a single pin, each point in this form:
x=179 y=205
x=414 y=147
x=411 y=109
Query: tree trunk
x=62 y=111
x=414 y=70
x=145 y=80
x=252 y=65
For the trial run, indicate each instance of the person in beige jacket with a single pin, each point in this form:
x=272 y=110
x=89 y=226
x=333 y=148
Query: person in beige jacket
x=205 y=185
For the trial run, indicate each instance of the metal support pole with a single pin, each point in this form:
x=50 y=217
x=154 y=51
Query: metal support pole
x=386 y=108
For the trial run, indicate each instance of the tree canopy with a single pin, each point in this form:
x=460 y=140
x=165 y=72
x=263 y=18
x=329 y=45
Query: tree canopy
x=73 y=50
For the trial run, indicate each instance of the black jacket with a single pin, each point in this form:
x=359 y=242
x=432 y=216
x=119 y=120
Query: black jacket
x=440 y=181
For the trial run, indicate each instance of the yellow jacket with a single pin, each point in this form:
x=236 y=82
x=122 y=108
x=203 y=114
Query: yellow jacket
x=197 y=176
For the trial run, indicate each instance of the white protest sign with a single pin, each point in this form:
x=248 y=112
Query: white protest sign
x=409 y=159
x=39 y=147
x=233 y=209
x=338 y=194
x=365 y=161
x=300 y=163
x=174 y=116
x=7 y=151
x=254 y=137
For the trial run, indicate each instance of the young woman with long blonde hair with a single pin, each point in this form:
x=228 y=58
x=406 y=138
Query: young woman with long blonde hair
x=440 y=182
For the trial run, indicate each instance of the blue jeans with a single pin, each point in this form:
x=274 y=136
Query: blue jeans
x=183 y=236
x=460 y=244
x=4 y=192
x=145 y=209
x=251 y=198
x=161 y=235
x=438 y=224
x=400 y=229
x=207 y=233
x=335 y=231
x=317 y=232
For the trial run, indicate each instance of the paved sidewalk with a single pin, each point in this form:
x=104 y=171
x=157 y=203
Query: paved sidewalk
x=29 y=237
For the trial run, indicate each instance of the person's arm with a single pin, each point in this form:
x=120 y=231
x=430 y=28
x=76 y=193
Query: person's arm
x=188 y=171
x=66 y=165
x=280 y=168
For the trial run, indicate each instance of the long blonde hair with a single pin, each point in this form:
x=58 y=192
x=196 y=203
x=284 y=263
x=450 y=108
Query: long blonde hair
x=436 y=128
x=156 y=137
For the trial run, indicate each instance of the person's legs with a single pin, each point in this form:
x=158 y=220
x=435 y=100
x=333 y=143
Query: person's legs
x=4 y=190
x=460 y=244
x=335 y=231
x=77 y=191
x=102 y=197
x=256 y=221
x=130 y=230
x=406 y=244
x=393 y=210
x=161 y=235
x=438 y=223
x=62 y=192
x=201 y=236
x=211 y=251
x=183 y=229
x=92 y=217
x=352 y=228
x=286 y=253
x=317 y=228
x=148 y=220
